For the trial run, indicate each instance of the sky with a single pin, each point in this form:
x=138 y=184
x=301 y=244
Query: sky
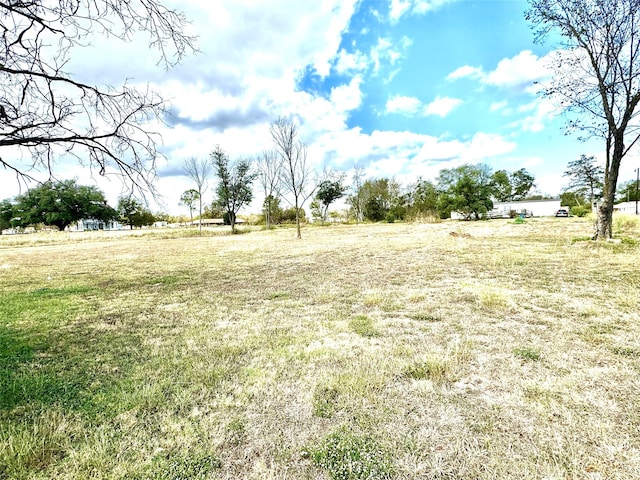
x=403 y=88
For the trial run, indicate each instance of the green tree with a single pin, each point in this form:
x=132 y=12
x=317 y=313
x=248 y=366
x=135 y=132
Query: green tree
x=189 y=199
x=6 y=214
x=379 y=197
x=597 y=78
x=46 y=109
x=572 y=198
x=422 y=199
x=61 y=204
x=328 y=192
x=467 y=189
x=273 y=210
x=234 y=185
x=512 y=187
x=629 y=191
x=133 y=213
x=585 y=176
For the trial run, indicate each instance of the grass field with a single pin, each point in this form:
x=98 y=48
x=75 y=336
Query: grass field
x=486 y=350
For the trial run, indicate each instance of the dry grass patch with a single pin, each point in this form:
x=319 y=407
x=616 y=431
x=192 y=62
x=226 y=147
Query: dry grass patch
x=397 y=351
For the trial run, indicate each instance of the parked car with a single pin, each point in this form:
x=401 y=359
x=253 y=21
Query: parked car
x=563 y=212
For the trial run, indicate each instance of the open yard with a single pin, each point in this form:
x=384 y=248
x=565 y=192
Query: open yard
x=486 y=350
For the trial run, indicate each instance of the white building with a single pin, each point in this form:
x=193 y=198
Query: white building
x=536 y=208
x=625 y=207
x=87 y=224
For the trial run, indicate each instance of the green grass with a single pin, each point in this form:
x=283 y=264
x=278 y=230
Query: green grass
x=346 y=456
x=371 y=351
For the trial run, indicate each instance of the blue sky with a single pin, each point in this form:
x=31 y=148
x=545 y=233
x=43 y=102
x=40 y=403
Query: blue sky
x=403 y=88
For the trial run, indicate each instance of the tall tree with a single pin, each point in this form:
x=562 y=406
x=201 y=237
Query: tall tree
x=512 y=187
x=629 y=191
x=133 y=213
x=6 y=214
x=467 y=190
x=61 y=204
x=48 y=111
x=199 y=171
x=297 y=172
x=328 y=191
x=269 y=167
x=234 y=185
x=597 y=76
x=189 y=198
x=585 y=175
x=356 y=199
x=422 y=199
x=380 y=195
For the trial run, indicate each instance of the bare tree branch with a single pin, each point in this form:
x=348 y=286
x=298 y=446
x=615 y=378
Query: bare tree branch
x=47 y=113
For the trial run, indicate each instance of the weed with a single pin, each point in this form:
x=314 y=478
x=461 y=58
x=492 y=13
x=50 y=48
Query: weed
x=236 y=430
x=432 y=369
x=626 y=351
x=323 y=402
x=183 y=467
x=363 y=326
x=346 y=456
x=526 y=353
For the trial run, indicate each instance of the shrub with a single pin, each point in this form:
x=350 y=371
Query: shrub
x=580 y=211
x=390 y=217
x=346 y=456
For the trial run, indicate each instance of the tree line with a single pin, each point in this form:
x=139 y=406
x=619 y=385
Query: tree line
x=285 y=177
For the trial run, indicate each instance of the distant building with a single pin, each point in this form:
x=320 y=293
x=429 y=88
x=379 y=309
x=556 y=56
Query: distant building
x=625 y=207
x=537 y=208
x=529 y=208
x=91 y=224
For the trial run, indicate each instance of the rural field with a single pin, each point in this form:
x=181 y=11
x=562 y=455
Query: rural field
x=484 y=350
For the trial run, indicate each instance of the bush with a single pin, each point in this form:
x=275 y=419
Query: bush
x=580 y=211
x=390 y=217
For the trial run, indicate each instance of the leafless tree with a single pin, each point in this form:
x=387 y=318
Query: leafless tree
x=357 y=200
x=296 y=172
x=269 y=166
x=198 y=170
x=597 y=76
x=45 y=111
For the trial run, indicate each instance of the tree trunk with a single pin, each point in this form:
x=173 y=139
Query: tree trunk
x=604 y=222
x=267 y=216
x=299 y=232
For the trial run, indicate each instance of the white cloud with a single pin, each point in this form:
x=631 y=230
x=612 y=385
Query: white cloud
x=466 y=71
x=347 y=97
x=497 y=106
x=523 y=69
x=402 y=104
x=351 y=62
x=385 y=50
x=442 y=106
x=399 y=8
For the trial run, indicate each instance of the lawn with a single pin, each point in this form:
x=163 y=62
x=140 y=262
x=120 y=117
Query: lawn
x=486 y=350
